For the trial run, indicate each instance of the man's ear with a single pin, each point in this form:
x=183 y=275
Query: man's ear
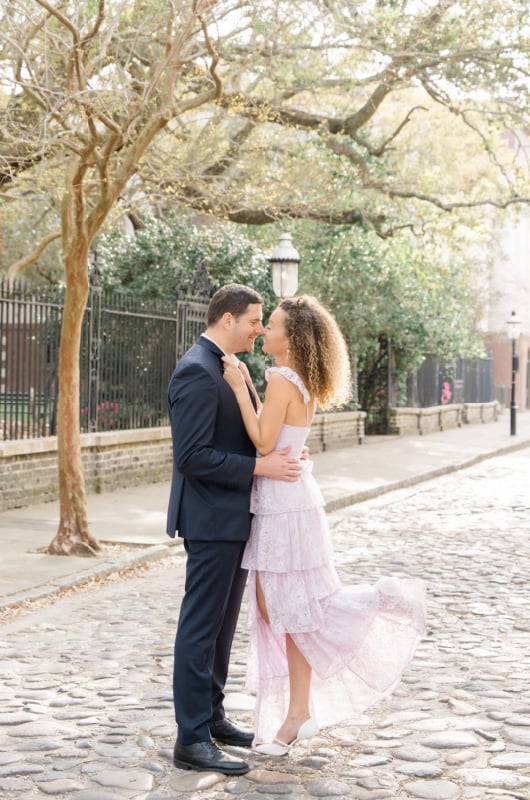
x=227 y=320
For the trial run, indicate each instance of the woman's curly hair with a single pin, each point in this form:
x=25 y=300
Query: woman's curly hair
x=317 y=351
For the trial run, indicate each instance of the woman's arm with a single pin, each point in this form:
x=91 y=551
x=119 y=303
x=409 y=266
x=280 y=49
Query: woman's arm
x=263 y=430
x=246 y=374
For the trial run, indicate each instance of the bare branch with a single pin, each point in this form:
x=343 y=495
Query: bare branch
x=234 y=148
x=214 y=58
x=451 y=206
x=75 y=36
x=97 y=24
x=356 y=121
x=16 y=268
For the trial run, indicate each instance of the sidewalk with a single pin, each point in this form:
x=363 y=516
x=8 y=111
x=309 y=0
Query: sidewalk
x=137 y=516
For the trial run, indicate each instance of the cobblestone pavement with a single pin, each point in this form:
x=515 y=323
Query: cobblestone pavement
x=85 y=704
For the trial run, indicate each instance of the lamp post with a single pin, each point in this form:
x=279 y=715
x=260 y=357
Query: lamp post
x=513 y=333
x=284 y=261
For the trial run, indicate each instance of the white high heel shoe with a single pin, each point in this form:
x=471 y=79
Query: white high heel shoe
x=278 y=748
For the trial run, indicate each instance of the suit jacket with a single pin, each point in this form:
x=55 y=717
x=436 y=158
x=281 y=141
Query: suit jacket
x=213 y=457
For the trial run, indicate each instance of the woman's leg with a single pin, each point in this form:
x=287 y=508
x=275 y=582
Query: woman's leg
x=260 y=597
x=299 y=692
x=299 y=679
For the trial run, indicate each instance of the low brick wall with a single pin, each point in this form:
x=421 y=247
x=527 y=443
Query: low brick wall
x=405 y=421
x=480 y=412
x=342 y=429
x=28 y=467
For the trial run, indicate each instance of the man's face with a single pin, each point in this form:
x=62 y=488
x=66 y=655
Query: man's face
x=245 y=329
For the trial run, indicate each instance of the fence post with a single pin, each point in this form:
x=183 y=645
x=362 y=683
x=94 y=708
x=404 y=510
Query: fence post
x=390 y=402
x=354 y=361
x=94 y=344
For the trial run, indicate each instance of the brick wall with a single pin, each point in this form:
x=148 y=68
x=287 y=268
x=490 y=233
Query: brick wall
x=439 y=418
x=28 y=467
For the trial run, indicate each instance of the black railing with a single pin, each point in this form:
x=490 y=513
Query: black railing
x=462 y=380
x=128 y=351
x=436 y=382
x=29 y=322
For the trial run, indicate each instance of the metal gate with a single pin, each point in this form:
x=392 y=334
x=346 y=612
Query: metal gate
x=129 y=348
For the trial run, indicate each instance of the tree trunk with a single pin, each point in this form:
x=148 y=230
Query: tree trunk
x=72 y=537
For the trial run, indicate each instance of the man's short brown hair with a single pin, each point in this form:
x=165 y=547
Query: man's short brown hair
x=233 y=298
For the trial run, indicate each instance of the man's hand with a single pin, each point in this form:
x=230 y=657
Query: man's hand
x=278 y=466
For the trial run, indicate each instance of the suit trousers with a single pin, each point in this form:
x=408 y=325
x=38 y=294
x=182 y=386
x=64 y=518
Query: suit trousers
x=208 y=617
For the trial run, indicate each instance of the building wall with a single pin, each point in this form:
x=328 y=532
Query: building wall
x=509 y=290
x=510 y=274
x=500 y=347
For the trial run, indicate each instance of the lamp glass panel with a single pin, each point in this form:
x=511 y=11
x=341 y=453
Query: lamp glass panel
x=514 y=329
x=514 y=326
x=284 y=278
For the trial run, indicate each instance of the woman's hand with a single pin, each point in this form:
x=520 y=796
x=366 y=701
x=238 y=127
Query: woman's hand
x=232 y=374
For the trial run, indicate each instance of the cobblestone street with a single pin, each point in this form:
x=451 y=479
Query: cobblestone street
x=86 y=709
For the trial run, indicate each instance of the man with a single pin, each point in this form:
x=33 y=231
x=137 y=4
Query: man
x=213 y=465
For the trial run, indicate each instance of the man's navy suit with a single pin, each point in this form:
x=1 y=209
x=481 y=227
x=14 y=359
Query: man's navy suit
x=213 y=465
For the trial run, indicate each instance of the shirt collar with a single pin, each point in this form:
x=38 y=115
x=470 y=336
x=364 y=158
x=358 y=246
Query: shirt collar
x=230 y=355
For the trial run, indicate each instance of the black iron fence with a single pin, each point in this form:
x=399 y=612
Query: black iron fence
x=128 y=351
x=461 y=380
x=436 y=382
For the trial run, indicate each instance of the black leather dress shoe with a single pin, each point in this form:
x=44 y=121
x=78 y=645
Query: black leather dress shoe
x=207 y=757
x=226 y=732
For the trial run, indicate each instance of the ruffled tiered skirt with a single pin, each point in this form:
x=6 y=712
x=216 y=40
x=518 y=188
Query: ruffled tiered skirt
x=358 y=640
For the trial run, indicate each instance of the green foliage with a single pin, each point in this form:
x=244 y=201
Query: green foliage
x=409 y=295
x=173 y=257
x=409 y=290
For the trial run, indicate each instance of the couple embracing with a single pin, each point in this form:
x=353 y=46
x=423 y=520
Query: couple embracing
x=246 y=504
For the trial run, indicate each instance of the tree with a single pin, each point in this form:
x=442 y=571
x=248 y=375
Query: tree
x=380 y=115
x=163 y=259
x=90 y=87
x=313 y=109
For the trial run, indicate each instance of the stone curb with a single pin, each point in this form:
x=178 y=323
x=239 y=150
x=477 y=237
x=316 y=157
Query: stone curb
x=421 y=477
x=151 y=553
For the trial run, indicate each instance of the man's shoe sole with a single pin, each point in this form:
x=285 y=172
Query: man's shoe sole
x=232 y=743
x=236 y=771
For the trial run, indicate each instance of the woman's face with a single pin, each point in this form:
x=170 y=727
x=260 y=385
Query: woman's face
x=276 y=342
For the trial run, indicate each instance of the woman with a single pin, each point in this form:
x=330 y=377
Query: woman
x=318 y=650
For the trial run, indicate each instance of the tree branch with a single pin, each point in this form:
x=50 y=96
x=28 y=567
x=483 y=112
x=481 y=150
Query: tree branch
x=18 y=266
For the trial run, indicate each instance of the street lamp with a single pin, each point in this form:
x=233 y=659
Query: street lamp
x=513 y=333
x=284 y=261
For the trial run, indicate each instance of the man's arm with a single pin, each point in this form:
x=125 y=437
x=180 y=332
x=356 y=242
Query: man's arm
x=193 y=401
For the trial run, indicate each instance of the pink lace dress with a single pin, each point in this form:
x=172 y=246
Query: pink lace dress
x=358 y=640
